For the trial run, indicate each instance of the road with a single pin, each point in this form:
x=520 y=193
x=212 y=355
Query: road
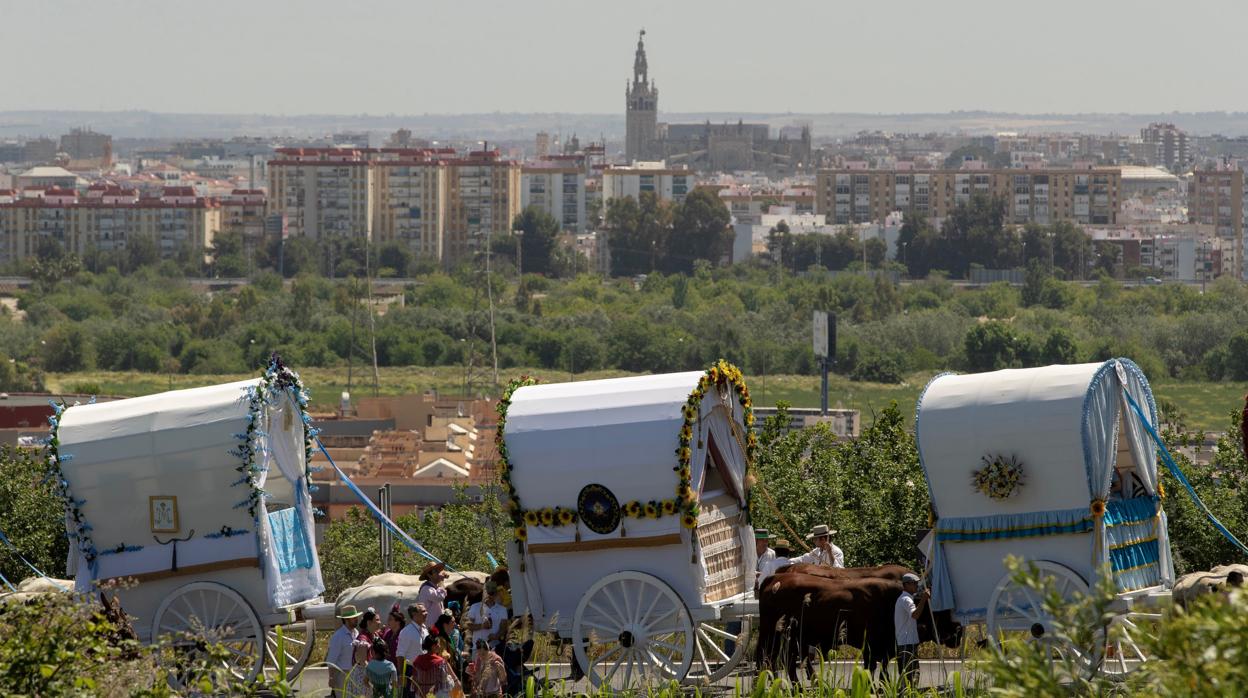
x=313 y=681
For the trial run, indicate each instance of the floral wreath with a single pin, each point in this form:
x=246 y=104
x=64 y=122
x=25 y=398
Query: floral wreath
x=684 y=504
x=1000 y=478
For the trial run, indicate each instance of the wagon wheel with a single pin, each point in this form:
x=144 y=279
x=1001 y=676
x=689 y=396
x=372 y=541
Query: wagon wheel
x=1123 y=652
x=208 y=612
x=631 y=629
x=298 y=640
x=718 y=649
x=1015 y=608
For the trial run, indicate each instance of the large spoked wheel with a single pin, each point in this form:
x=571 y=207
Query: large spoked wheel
x=719 y=647
x=203 y=613
x=298 y=639
x=1015 y=609
x=1124 y=653
x=632 y=630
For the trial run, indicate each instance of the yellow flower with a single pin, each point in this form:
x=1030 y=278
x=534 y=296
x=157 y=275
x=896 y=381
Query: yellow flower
x=1098 y=507
x=565 y=517
x=685 y=454
x=669 y=507
x=522 y=533
x=1161 y=490
x=652 y=512
x=689 y=521
x=633 y=509
x=531 y=518
x=548 y=517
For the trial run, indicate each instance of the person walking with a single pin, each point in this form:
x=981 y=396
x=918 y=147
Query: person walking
x=390 y=635
x=488 y=675
x=340 y=655
x=910 y=605
x=432 y=674
x=431 y=593
x=824 y=553
x=411 y=640
x=488 y=619
x=381 y=673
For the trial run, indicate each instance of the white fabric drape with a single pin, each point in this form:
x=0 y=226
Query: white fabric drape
x=1100 y=425
x=734 y=456
x=283 y=447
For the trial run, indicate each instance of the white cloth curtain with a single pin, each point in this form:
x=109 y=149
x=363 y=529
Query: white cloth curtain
x=1142 y=448
x=1100 y=430
x=734 y=456
x=283 y=446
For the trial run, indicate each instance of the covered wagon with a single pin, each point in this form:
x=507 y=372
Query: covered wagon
x=632 y=534
x=1055 y=465
x=201 y=497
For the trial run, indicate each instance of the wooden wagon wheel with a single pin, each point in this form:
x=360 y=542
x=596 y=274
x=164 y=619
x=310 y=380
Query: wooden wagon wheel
x=1015 y=608
x=208 y=612
x=631 y=630
x=1124 y=653
x=298 y=639
x=717 y=649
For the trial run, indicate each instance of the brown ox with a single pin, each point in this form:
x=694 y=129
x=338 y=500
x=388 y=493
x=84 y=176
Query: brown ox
x=878 y=572
x=803 y=611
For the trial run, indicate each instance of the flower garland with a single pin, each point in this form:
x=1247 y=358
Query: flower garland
x=73 y=507
x=1000 y=478
x=278 y=379
x=721 y=373
x=519 y=517
x=684 y=504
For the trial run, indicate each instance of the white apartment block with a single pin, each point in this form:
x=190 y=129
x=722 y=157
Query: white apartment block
x=668 y=183
x=556 y=189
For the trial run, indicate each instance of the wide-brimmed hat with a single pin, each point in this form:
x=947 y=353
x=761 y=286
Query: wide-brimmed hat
x=820 y=530
x=782 y=543
x=349 y=611
x=762 y=534
x=431 y=569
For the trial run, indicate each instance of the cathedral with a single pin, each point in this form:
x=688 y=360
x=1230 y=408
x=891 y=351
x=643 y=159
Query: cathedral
x=705 y=147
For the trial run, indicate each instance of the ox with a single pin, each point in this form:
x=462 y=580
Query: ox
x=806 y=611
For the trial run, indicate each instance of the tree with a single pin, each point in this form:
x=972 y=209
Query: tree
x=31 y=515
x=1059 y=348
x=141 y=251
x=538 y=241
x=700 y=230
x=228 y=255
x=871 y=488
x=780 y=245
x=68 y=348
x=394 y=256
x=638 y=231
x=991 y=346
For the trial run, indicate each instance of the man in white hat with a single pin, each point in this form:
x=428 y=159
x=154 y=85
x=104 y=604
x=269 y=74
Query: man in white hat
x=341 y=648
x=431 y=593
x=910 y=605
x=824 y=553
x=762 y=540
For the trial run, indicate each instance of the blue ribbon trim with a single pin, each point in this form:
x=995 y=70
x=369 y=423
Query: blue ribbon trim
x=378 y=514
x=1006 y=526
x=1178 y=474
x=1130 y=511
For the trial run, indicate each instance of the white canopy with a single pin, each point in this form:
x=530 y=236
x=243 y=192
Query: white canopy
x=1061 y=422
x=116 y=456
x=619 y=432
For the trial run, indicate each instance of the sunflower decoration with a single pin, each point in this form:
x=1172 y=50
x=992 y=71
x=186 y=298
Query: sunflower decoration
x=652 y=510
x=531 y=518
x=669 y=507
x=1161 y=489
x=522 y=533
x=1000 y=478
x=565 y=517
x=548 y=517
x=1098 y=507
x=689 y=520
x=633 y=509
x=518 y=515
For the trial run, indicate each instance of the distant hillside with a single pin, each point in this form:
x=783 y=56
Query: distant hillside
x=506 y=126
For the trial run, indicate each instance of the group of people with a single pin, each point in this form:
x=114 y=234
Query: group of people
x=774 y=554
x=423 y=649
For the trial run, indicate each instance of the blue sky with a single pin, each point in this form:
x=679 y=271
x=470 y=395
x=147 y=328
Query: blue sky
x=412 y=57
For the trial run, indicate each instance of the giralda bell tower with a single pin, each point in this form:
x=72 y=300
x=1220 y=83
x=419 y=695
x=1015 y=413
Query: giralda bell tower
x=642 y=102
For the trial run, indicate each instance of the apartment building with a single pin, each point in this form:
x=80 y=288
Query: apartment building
x=669 y=183
x=242 y=212
x=1216 y=197
x=438 y=202
x=324 y=192
x=558 y=188
x=1084 y=195
x=1171 y=143
x=105 y=218
x=484 y=200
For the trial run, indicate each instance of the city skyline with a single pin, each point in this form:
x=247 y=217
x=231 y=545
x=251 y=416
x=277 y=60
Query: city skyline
x=287 y=58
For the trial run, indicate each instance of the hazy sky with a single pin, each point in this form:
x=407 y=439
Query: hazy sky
x=412 y=57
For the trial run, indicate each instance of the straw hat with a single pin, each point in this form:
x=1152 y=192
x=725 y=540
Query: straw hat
x=762 y=534
x=431 y=569
x=782 y=544
x=349 y=611
x=820 y=530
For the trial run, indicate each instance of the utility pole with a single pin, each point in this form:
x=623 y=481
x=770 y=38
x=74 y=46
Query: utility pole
x=372 y=321
x=489 y=290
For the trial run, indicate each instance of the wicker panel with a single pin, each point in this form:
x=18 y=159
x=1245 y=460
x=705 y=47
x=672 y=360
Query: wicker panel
x=721 y=549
